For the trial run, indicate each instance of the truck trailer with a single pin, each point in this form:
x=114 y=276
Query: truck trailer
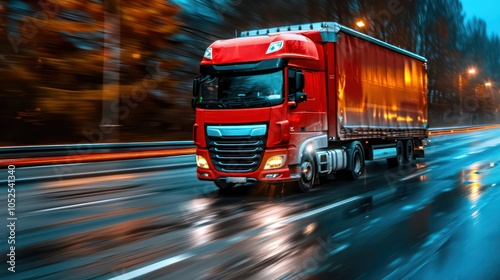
x=297 y=103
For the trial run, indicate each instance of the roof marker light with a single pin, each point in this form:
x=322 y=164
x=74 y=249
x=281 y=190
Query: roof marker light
x=274 y=47
x=208 y=53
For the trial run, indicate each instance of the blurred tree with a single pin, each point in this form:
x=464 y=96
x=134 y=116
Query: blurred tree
x=400 y=24
x=75 y=36
x=492 y=61
x=57 y=48
x=436 y=32
x=474 y=43
x=3 y=31
x=478 y=52
x=377 y=16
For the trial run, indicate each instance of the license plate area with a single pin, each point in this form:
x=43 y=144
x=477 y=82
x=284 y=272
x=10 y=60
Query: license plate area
x=236 y=180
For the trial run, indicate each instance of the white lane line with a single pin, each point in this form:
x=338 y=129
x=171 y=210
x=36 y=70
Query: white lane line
x=314 y=212
x=416 y=174
x=152 y=267
x=90 y=203
x=339 y=249
x=475 y=152
x=460 y=156
x=469 y=153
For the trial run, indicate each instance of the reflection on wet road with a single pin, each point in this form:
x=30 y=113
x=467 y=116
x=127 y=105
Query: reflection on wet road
x=166 y=224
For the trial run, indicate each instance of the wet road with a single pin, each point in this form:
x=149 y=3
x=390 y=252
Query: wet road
x=153 y=219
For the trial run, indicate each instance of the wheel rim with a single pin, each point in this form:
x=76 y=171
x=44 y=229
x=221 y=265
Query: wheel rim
x=357 y=163
x=307 y=171
x=307 y=174
x=400 y=152
x=409 y=150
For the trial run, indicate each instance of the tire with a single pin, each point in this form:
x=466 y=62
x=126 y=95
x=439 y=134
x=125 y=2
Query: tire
x=307 y=173
x=355 y=164
x=409 y=149
x=399 y=160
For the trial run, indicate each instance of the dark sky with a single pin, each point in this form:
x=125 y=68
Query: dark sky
x=488 y=10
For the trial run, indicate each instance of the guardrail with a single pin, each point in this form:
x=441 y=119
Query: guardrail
x=79 y=149
x=459 y=129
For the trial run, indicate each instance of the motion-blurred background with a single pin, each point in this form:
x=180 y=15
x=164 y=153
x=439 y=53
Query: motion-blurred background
x=76 y=71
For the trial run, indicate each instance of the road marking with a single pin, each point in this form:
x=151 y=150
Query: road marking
x=90 y=203
x=460 y=156
x=469 y=153
x=339 y=249
x=475 y=152
x=317 y=211
x=152 y=267
x=416 y=174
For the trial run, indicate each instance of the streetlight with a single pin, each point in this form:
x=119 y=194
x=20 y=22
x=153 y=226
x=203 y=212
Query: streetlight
x=360 y=24
x=487 y=84
x=470 y=71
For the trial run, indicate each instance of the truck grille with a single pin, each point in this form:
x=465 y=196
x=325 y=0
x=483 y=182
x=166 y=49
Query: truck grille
x=236 y=153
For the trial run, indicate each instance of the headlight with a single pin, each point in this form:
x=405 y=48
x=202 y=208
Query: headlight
x=208 y=53
x=275 y=162
x=201 y=162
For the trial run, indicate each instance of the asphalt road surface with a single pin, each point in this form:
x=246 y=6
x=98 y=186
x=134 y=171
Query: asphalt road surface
x=152 y=219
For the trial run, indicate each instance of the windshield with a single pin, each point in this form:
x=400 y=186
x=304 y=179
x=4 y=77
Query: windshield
x=243 y=91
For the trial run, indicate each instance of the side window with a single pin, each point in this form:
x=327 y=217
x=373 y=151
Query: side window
x=210 y=88
x=291 y=84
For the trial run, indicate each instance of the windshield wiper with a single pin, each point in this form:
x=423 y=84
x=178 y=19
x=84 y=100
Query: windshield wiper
x=260 y=101
x=263 y=101
x=218 y=103
x=233 y=103
x=221 y=102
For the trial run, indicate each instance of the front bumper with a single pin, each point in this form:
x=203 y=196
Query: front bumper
x=282 y=174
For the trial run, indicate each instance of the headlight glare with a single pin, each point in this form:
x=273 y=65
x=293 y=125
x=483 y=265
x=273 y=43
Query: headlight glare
x=201 y=162
x=275 y=162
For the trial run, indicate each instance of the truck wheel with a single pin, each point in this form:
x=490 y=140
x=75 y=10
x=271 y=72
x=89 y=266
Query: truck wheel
x=307 y=173
x=355 y=164
x=400 y=155
x=409 y=148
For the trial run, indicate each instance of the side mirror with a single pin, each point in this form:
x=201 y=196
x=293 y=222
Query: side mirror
x=299 y=81
x=299 y=87
x=196 y=92
x=196 y=87
x=300 y=97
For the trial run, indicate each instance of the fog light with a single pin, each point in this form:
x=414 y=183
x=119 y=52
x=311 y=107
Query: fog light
x=275 y=162
x=274 y=175
x=201 y=162
x=205 y=174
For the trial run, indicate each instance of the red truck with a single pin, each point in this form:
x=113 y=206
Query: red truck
x=296 y=103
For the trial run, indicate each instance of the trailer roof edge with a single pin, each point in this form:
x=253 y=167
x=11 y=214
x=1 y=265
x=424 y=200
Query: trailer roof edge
x=329 y=26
